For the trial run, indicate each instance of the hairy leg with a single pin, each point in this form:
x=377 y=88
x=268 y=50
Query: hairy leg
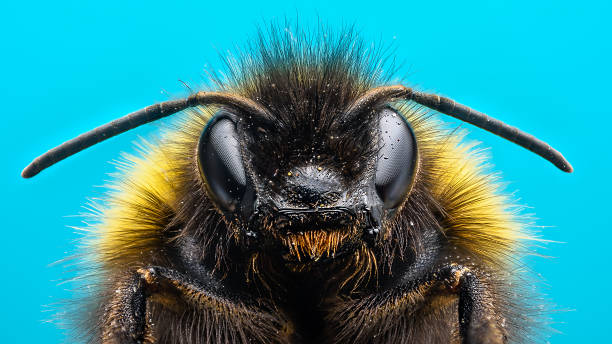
x=424 y=311
x=479 y=322
x=126 y=315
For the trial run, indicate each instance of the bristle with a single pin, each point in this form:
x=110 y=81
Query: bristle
x=362 y=269
x=314 y=245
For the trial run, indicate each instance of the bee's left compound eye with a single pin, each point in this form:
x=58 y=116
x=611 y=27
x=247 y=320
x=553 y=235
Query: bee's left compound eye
x=397 y=159
x=220 y=161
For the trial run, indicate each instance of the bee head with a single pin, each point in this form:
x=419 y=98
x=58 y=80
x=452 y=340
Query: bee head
x=311 y=189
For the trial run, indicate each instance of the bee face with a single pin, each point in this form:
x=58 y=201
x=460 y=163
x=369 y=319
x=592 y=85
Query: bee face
x=306 y=189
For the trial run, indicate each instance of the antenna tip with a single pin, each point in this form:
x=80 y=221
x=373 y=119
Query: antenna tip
x=563 y=164
x=30 y=171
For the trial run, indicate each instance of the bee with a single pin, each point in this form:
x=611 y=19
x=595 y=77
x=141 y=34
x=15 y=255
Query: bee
x=305 y=199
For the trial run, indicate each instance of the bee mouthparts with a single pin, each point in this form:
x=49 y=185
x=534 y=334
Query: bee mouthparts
x=294 y=220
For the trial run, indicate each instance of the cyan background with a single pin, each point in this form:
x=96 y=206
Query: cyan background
x=544 y=66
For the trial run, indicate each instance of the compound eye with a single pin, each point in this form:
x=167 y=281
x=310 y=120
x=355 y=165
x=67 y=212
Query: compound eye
x=220 y=161
x=397 y=159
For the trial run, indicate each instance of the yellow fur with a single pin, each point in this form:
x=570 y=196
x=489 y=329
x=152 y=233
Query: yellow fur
x=480 y=217
x=148 y=181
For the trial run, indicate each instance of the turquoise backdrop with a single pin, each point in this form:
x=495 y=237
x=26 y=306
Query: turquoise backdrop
x=544 y=66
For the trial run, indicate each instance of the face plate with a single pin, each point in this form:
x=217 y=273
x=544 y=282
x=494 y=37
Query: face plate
x=311 y=199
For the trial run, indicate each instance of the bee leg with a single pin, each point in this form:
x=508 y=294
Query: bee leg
x=393 y=314
x=478 y=321
x=125 y=318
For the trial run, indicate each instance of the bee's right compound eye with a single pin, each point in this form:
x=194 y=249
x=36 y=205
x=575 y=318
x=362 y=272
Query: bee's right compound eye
x=220 y=161
x=397 y=159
